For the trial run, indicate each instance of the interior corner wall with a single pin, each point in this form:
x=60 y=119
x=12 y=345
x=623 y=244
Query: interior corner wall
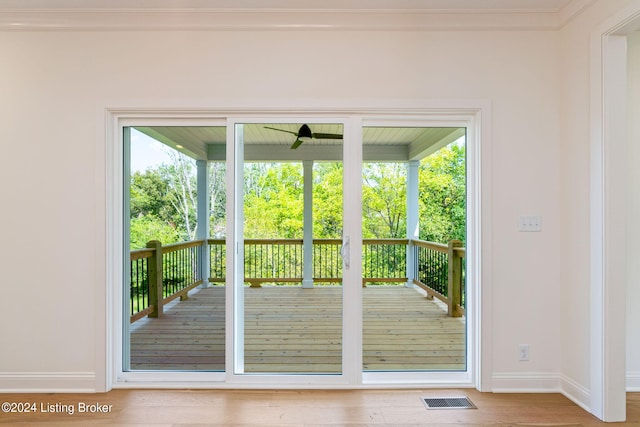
x=633 y=211
x=57 y=84
x=575 y=152
x=575 y=277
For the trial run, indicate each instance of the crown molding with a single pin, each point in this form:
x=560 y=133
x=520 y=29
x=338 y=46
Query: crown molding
x=571 y=10
x=156 y=19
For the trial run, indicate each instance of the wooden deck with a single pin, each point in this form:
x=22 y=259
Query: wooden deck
x=295 y=330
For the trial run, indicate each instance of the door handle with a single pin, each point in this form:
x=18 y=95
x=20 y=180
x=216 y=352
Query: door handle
x=345 y=252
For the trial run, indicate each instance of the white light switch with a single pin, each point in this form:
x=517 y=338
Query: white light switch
x=530 y=223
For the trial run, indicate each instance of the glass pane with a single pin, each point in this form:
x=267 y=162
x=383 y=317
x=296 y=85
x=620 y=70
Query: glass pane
x=414 y=213
x=292 y=239
x=174 y=293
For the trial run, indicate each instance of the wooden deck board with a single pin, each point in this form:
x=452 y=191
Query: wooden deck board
x=290 y=329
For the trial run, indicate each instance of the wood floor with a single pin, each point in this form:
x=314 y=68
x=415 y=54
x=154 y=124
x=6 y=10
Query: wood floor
x=295 y=330
x=288 y=408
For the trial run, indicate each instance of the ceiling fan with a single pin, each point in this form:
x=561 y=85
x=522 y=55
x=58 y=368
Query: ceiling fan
x=304 y=133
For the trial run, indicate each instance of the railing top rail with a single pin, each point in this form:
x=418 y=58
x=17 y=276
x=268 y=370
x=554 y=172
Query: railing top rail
x=440 y=247
x=182 y=245
x=327 y=241
x=273 y=241
x=385 y=241
x=141 y=254
x=260 y=241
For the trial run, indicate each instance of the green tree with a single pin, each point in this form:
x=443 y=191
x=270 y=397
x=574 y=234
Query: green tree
x=442 y=192
x=149 y=227
x=384 y=200
x=327 y=200
x=163 y=199
x=181 y=180
x=273 y=200
x=148 y=193
x=217 y=199
x=149 y=211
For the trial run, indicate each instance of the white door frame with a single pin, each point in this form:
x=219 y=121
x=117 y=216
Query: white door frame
x=608 y=187
x=477 y=116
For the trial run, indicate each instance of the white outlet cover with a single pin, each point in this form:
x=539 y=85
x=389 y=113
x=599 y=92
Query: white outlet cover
x=524 y=352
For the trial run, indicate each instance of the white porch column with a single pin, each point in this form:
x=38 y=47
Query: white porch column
x=202 y=227
x=413 y=226
x=307 y=261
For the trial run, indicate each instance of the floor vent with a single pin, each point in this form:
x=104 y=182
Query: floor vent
x=448 y=403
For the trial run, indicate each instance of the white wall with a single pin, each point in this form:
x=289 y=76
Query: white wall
x=55 y=87
x=633 y=213
x=53 y=162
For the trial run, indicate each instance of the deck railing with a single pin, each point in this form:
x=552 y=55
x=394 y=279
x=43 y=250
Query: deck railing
x=160 y=274
x=281 y=261
x=384 y=260
x=440 y=271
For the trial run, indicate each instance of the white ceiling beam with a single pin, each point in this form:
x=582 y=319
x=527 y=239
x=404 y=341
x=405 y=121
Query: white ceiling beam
x=281 y=153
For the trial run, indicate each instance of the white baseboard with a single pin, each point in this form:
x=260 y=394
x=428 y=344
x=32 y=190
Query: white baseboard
x=633 y=381
x=506 y=382
x=542 y=382
x=577 y=393
x=47 y=382
x=526 y=382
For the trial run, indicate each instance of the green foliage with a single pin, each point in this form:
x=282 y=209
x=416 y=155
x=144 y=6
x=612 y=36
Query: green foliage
x=163 y=203
x=327 y=200
x=384 y=200
x=148 y=194
x=163 y=199
x=273 y=200
x=181 y=197
x=442 y=195
x=148 y=227
x=217 y=199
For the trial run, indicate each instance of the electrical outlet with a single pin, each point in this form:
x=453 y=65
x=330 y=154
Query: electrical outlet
x=524 y=352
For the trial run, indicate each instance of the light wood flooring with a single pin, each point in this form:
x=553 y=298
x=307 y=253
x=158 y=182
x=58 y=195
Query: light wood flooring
x=288 y=408
x=295 y=330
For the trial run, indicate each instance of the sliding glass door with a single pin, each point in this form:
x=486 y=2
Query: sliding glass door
x=291 y=247
x=175 y=234
x=414 y=228
x=299 y=250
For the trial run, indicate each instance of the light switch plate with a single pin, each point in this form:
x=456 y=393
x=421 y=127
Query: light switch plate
x=530 y=223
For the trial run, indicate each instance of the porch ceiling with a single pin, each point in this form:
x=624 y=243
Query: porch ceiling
x=262 y=144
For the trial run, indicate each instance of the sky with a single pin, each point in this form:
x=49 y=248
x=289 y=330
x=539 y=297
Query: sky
x=146 y=152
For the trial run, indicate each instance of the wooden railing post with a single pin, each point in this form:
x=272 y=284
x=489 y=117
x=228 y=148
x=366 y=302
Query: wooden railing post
x=454 y=278
x=155 y=279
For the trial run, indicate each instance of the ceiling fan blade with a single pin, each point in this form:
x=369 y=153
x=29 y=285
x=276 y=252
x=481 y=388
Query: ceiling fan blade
x=326 y=136
x=305 y=132
x=282 y=130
